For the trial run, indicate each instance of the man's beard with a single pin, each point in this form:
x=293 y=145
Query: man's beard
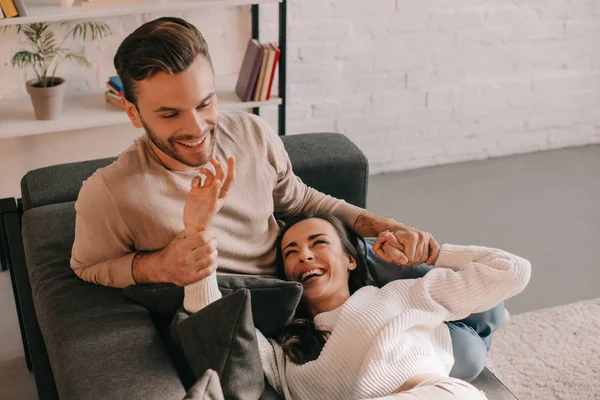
x=170 y=148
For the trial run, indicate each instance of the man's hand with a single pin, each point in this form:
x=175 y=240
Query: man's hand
x=407 y=248
x=416 y=246
x=205 y=201
x=185 y=260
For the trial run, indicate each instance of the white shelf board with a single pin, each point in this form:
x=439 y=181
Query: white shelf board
x=54 y=13
x=90 y=110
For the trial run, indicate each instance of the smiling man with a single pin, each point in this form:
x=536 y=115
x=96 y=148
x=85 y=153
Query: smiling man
x=130 y=214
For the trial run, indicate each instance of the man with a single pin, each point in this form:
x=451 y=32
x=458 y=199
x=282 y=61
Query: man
x=129 y=215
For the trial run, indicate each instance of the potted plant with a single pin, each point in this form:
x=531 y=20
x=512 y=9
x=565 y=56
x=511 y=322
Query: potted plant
x=47 y=90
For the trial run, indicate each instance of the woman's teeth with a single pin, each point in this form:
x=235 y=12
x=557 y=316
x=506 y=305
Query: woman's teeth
x=310 y=274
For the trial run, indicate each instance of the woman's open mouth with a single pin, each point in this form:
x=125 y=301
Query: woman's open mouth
x=311 y=275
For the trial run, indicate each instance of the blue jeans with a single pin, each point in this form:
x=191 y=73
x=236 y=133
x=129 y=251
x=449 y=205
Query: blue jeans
x=471 y=337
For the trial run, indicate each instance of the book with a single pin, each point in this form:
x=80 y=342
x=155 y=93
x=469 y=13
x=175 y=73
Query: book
x=250 y=69
x=268 y=72
x=21 y=9
x=261 y=74
x=113 y=99
x=115 y=81
x=114 y=90
x=268 y=67
x=103 y=3
x=9 y=9
x=275 y=62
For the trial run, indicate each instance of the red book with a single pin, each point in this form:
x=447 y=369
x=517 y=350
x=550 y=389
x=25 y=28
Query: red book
x=114 y=89
x=277 y=54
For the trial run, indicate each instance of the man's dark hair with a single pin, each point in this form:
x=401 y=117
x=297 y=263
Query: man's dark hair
x=166 y=44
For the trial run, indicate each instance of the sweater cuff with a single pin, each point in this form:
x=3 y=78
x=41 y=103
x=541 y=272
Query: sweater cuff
x=457 y=257
x=200 y=294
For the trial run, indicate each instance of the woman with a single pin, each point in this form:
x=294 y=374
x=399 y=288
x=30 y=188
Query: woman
x=362 y=342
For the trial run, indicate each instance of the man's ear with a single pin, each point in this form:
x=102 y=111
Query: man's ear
x=351 y=263
x=132 y=112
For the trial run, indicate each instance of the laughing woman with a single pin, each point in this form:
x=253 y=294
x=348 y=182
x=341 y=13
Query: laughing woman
x=357 y=341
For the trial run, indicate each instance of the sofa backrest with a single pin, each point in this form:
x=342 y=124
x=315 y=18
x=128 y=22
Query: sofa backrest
x=329 y=162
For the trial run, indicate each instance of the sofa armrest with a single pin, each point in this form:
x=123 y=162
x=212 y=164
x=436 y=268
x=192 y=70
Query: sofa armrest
x=99 y=344
x=330 y=163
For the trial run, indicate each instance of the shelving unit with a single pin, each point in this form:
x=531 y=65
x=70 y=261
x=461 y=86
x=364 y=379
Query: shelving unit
x=90 y=110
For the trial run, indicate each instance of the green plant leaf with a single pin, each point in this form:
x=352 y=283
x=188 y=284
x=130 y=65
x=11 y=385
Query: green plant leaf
x=97 y=30
x=26 y=58
x=79 y=58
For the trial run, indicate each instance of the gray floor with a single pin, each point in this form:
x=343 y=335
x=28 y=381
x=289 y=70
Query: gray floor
x=543 y=206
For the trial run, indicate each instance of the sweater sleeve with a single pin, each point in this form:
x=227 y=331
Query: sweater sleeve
x=103 y=249
x=200 y=294
x=291 y=196
x=274 y=363
x=471 y=279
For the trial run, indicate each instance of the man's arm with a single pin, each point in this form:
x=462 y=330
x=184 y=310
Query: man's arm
x=291 y=196
x=104 y=250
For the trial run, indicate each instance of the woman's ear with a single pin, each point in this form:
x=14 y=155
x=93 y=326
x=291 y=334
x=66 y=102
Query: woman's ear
x=351 y=262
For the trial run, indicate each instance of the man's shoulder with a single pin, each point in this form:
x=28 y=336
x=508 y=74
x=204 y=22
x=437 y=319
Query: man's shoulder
x=119 y=177
x=244 y=126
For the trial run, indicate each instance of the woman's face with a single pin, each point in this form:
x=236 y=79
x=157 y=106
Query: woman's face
x=314 y=256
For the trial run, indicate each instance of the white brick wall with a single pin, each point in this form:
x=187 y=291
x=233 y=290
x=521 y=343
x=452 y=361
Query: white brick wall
x=413 y=83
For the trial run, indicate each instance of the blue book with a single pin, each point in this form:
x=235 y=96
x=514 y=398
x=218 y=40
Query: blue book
x=115 y=81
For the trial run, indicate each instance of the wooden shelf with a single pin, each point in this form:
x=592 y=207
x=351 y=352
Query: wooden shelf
x=91 y=111
x=54 y=13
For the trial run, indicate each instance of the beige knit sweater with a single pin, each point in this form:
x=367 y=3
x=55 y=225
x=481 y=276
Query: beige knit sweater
x=136 y=204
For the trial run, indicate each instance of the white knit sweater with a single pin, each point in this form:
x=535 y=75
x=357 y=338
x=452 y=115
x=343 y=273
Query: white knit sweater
x=382 y=337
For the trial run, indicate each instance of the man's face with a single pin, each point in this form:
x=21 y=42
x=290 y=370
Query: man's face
x=180 y=114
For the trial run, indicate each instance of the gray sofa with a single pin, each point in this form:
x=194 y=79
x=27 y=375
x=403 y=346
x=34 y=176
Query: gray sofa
x=89 y=342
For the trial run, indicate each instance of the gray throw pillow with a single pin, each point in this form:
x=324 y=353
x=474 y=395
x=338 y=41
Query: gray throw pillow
x=222 y=337
x=274 y=301
x=208 y=387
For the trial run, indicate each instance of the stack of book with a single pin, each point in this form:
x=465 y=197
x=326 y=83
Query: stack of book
x=115 y=91
x=12 y=8
x=255 y=80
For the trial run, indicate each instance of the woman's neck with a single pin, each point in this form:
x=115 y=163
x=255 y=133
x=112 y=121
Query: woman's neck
x=328 y=304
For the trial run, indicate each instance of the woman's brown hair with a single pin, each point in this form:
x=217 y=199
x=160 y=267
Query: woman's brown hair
x=301 y=340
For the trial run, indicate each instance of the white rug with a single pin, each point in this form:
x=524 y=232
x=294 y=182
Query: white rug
x=551 y=354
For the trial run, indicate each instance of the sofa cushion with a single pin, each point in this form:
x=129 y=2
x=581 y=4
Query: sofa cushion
x=222 y=337
x=99 y=344
x=208 y=387
x=274 y=301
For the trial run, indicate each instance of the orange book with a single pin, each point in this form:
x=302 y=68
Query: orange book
x=261 y=75
x=276 y=60
x=8 y=8
x=268 y=73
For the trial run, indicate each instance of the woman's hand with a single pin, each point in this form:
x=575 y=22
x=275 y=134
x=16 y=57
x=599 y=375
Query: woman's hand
x=205 y=201
x=391 y=250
